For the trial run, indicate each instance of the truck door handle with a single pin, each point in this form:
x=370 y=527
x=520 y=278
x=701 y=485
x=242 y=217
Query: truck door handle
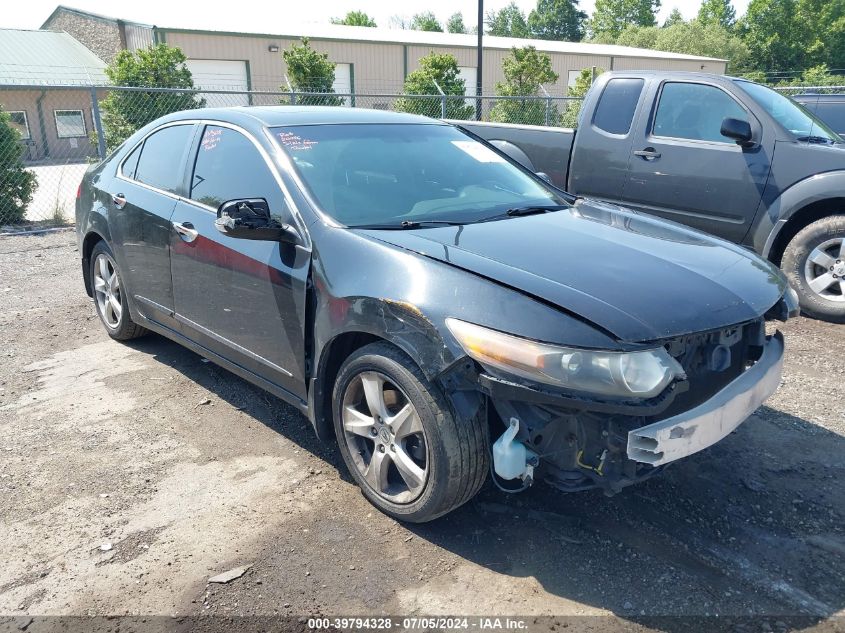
x=649 y=153
x=186 y=231
x=118 y=200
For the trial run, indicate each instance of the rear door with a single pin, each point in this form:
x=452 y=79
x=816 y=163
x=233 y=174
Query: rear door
x=242 y=299
x=602 y=146
x=143 y=196
x=683 y=169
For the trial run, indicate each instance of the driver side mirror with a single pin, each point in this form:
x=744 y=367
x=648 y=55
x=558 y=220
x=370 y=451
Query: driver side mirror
x=250 y=219
x=737 y=129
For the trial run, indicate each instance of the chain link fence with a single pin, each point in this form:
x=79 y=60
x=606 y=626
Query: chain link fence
x=61 y=130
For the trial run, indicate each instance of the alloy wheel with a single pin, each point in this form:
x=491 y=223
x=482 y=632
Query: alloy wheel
x=107 y=291
x=824 y=270
x=385 y=437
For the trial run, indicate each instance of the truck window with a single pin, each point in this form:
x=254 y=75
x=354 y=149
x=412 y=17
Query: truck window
x=618 y=101
x=695 y=111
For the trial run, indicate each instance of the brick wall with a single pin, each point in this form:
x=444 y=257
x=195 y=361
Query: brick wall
x=102 y=37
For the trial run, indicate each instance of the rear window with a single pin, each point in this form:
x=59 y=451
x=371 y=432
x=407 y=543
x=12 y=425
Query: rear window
x=617 y=104
x=833 y=114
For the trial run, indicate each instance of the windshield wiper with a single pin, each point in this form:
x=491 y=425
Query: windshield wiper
x=407 y=224
x=527 y=210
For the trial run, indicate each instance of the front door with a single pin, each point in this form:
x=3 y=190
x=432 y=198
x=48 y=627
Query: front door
x=141 y=200
x=683 y=169
x=242 y=299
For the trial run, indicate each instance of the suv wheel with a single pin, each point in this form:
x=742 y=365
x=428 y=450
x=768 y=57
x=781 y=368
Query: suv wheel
x=109 y=298
x=814 y=262
x=400 y=441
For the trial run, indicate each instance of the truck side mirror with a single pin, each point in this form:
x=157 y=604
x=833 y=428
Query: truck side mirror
x=737 y=129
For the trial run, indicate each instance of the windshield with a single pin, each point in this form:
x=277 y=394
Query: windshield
x=372 y=174
x=791 y=115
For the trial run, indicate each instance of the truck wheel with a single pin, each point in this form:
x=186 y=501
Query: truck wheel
x=413 y=459
x=814 y=262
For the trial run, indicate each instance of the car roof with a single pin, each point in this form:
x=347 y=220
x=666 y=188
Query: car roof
x=281 y=115
x=819 y=96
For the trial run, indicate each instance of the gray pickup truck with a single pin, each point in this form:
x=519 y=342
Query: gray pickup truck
x=721 y=154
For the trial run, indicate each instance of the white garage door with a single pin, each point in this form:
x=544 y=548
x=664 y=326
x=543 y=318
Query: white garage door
x=220 y=74
x=343 y=81
x=470 y=76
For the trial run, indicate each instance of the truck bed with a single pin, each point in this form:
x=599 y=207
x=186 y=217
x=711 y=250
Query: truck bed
x=547 y=146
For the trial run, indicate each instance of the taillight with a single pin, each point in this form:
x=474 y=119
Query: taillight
x=79 y=191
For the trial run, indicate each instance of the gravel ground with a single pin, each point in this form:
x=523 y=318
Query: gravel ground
x=132 y=473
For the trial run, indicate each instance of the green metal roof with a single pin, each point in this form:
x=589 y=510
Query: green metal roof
x=46 y=58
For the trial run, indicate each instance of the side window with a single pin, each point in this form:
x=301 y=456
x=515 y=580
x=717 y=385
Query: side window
x=130 y=163
x=162 y=158
x=229 y=166
x=695 y=111
x=617 y=104
x=833 y=114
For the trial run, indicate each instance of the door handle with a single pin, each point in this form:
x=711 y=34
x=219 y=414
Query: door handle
x=118 y=200
x=186 y=231
x=649 y=153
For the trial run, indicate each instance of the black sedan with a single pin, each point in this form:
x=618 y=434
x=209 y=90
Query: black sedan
x=427 y=302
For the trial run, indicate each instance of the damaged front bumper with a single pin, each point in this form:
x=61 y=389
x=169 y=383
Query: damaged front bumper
x=694 y=430
x=583 y=443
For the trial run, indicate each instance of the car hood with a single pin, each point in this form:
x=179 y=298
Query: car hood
x=635 y=276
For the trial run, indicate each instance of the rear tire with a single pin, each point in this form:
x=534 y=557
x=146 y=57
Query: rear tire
x=109 y=298
x=413 y=468
x=814 y=263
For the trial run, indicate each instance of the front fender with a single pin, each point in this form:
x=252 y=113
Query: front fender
x=814 y=189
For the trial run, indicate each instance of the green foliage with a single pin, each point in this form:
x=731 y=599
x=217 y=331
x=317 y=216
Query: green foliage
x=507 y=22
x=441 y=68
x=525 y=70
x=582 y=85
x=355 y=18
x=159 y=66
x=788 y=35
x=311 y=71
x=426 y=21
x=817 y=76
x=719 y=12
x=675 y=17
x=16 y=183
x=455 y=23
x=691 y=38
x=557 y=20
x=612 y=16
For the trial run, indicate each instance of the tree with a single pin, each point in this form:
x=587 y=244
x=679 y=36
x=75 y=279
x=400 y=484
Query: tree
x=676 y=17
x=582 y=85
x=436 y=69
x=425 y=21
x=793 y=35
x=557 y=20
x=612 y=16
x=310 y=71
x=355 y=18
x=691 y=38
x=719 y=12
x=159 y=66
x=455 y=23
x=16 y=183
x=507 y=22
x=525 y=70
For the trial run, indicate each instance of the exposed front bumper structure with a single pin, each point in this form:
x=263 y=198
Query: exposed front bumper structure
x=696 y=429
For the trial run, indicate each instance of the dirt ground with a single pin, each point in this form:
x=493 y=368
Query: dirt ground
x=132 y=473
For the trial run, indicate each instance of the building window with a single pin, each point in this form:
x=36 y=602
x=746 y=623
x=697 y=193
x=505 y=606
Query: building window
x=18 y=121
x=70 y=123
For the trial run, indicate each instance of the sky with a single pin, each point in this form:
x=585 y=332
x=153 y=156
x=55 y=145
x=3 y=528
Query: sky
x=271 y=17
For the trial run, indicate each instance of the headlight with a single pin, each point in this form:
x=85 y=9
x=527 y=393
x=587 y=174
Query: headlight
x=642 y=374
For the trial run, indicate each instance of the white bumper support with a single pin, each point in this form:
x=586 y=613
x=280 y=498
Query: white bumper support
x=700 y=427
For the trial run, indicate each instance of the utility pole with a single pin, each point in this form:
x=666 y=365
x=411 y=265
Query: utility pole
x=480 y=63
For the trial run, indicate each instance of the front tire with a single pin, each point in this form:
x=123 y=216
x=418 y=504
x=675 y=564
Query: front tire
x=400 y=441
x=109 y=297
x=814 y=263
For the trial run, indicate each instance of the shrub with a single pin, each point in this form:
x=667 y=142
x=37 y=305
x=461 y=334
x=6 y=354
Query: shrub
x=16 y=183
